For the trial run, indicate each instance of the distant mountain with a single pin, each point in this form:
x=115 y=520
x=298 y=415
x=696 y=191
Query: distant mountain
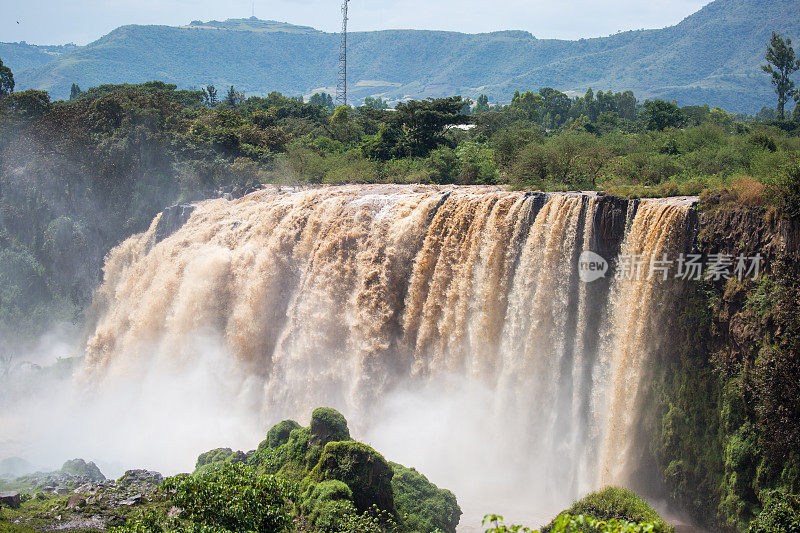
x=712 y=56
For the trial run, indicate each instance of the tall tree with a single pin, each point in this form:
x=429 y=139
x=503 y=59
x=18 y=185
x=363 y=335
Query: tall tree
x=234 y=97
x=659 y=115
x=74 y=92
x=482 y=105
x=6 y=80
x=210 y=94
x=781 y=64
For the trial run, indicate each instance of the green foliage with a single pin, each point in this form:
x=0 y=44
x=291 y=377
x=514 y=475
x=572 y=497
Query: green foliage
x=781 y=64
x=659 y=115
x=780 y=514
x=613 y=504
x=362 y=469
x=279 y=434
x=328 y=425
x=6 y=80
x=567 y=523
x=343 y=486
x=421 y=505
x=233 y=498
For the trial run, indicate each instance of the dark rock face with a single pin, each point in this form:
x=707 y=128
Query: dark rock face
x=609 y=225
x=172 y=219
x=751 y=231
x=10 y=499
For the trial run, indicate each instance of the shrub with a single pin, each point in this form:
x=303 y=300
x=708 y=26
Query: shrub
x=234 y=498
x=421 y=505
x=279 y=434
x=781 y=514
x=749 y=191
x=614 y=503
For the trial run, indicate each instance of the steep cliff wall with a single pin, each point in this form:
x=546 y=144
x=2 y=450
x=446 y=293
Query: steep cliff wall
x=728 y=422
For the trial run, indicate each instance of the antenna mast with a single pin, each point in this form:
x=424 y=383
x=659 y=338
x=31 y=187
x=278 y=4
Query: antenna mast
x=341 y=84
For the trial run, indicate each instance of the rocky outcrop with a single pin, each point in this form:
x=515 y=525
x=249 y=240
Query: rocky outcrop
x=79 y=467
x=10 y=499
x=172 y=218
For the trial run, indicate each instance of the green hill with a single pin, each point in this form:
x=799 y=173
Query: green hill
x=712 y=56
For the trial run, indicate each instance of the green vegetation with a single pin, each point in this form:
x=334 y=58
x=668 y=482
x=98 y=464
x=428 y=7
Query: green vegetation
x=79 y=176
x=781 y=514
x=781 y=64
x=730 y=412
x=6 y=80
x=304 y=481
x=611 y=510
x=614 y=503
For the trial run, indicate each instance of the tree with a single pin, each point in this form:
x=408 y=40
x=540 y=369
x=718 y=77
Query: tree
x=482 y=105
x=423 y=122
x=781 y=64
x=210 y=94
x=659 y=115
x=234 y=98
x=6 y=80
x=375 y=103
x=74 y=92
x=323 y=100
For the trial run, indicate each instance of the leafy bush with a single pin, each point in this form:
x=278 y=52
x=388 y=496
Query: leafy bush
x=233 y=498
x=421 y=505
x=781 y=514
x=614 y=503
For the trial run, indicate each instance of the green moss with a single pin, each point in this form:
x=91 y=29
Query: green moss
x=279 y=434
x=328 y=425
x=423 y=506
x=362 y=469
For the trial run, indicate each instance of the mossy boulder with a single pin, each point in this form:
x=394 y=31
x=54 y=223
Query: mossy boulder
x=279 y=434
x=423 y=506
x=615 y=503
x=328 y=425
x=79 y=467
x=362 y=469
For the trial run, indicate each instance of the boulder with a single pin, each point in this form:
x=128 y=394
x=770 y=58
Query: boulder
x=80 y=468
x=10 y=499
x=362 y=469
x=76 y=501
x=328 y=425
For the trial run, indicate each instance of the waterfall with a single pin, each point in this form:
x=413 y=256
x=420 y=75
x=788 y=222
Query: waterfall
x=340 y=296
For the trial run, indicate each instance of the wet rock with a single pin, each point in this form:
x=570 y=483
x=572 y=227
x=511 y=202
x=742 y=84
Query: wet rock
x=10 y=499
x=133 y=500
x=172 y=219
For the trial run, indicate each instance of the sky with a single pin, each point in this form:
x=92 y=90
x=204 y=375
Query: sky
x=83 y=21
